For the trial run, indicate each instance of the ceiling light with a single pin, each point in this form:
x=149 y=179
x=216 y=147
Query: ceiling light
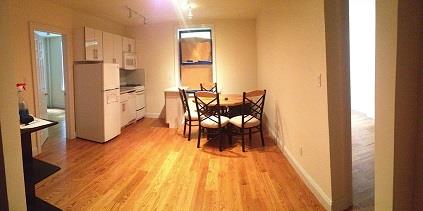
x=185 y=5
x=190 y=15
x=132 y=13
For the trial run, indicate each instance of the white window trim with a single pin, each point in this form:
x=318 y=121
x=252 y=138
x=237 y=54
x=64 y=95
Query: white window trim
x=176 y=48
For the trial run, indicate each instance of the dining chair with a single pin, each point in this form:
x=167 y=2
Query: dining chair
x=210 y=117
x=190 y=114
x=251 y=117
x=210 y=87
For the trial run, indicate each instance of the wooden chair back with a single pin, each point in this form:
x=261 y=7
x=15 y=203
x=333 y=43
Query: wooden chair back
x=253 y=105
x=211 y=87
x=184 y=100
x=208 y=109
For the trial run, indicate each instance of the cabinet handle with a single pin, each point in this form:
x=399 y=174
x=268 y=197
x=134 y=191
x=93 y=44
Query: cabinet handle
x=123 y=107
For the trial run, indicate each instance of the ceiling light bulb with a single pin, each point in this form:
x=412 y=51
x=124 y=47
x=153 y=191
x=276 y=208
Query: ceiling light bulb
x=184 y=5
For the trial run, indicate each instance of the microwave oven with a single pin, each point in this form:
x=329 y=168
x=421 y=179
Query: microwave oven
x=129 y=61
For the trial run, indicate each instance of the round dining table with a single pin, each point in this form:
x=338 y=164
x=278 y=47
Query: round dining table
x=232 y=103
x=225 y=100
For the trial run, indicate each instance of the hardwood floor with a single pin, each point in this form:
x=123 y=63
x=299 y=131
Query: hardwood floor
x=363 y=161
x=150 y=167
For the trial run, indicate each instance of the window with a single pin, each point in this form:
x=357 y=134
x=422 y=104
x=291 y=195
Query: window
x=195 y=47
x=195 y=57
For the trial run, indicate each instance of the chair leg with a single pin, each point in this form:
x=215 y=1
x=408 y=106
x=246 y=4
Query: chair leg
x=199 y=136
x=261 y=135
x=220 y=139
x=189 y=131
x=229 y=134
x=185 y=126
x=249 y=134
x=242 y=140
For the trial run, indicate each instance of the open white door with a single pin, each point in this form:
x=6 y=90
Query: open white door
x=42 y=87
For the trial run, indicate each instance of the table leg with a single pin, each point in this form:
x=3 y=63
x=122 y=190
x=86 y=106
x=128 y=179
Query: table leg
x=27 y=165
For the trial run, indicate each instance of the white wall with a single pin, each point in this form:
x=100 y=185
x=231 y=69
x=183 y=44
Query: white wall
x=9 y=118
x=386 y=48
x=291 y=57
x=362 y=55
x=408 y=72
x=398 y=147
x=235 y=42
x=302 y=62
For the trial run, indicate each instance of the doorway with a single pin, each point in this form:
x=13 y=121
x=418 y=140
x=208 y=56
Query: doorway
x=50 y=75
x=362 y=29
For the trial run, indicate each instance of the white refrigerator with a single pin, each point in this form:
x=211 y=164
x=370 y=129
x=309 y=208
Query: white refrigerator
x=97 y=104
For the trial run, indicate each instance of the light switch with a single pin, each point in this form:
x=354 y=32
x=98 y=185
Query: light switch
x=319 y=80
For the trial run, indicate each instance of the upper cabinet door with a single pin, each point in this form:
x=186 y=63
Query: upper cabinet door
x=90 y=44
x=108 y=48
x=112 y=48
x=117 y=46
x=99 y=38
x=93 y=44
x=128 y=45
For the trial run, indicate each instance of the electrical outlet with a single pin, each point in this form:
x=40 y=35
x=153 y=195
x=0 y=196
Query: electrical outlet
x=301 y=150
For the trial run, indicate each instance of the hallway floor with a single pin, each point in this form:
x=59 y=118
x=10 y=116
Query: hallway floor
x=59 y=130
x=363 y=161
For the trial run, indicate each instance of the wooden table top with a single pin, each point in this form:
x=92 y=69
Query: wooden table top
x=226 y=99
x=49 y=123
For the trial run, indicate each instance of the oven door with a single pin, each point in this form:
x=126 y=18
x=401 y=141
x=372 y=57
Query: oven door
x=140 y=99
x=140 y=104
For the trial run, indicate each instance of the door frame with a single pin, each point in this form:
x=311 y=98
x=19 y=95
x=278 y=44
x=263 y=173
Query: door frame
x=67 y=74
x=4 y=204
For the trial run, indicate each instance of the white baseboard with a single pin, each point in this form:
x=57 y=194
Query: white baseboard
x=307 y=179
x=152 y=115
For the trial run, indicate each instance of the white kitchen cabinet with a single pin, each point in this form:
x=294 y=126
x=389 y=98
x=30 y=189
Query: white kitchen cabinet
x=124 y=109
x=108 y=49
x=112 y=48
x=118 y=49
x=88 y=44
x=128 y=45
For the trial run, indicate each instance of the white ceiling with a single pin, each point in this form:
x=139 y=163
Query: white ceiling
x=164 y=10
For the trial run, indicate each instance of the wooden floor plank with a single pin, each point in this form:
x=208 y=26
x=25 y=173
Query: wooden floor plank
x=151 y=167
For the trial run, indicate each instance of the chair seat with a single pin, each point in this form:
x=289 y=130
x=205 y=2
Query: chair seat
x=194 y=115
x=208 y=123
x=237 y=121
